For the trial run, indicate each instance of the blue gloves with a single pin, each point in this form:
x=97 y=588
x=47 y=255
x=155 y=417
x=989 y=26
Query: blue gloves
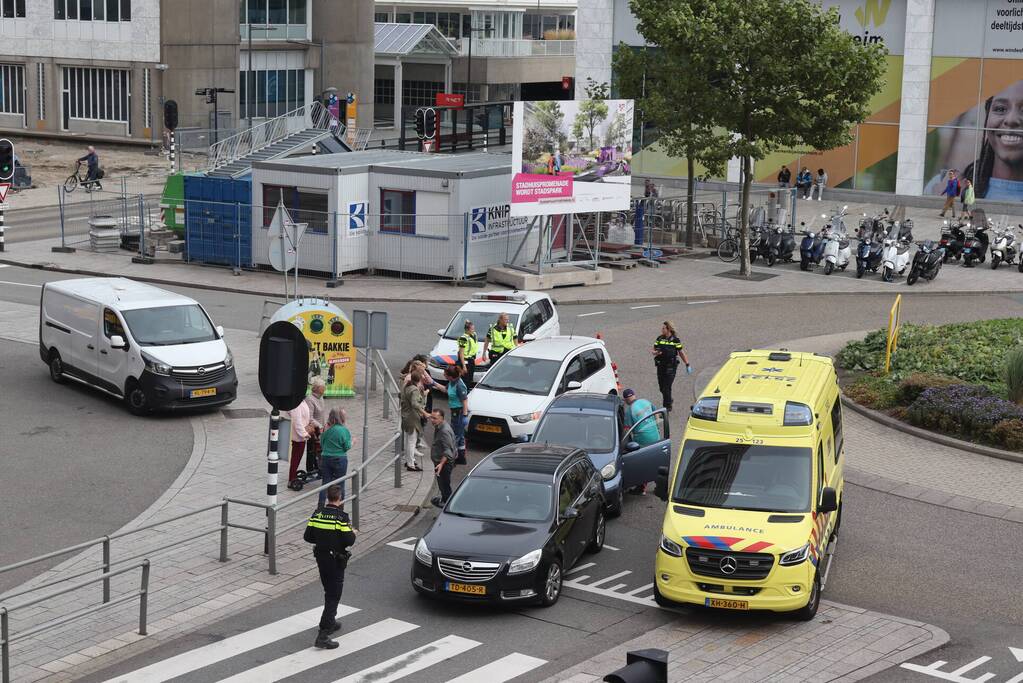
x=689 y=369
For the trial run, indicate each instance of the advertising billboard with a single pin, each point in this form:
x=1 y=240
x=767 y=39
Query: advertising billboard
x=328 y=332
x=571 y=156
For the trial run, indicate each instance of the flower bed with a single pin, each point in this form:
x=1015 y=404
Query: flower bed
x=946 y=378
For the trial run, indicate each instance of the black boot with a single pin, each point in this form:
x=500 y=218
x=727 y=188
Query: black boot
x=335 y=628
x=324 y=641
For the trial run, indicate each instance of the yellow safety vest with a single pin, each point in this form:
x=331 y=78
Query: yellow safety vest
x=469 y=345
x=502 y=341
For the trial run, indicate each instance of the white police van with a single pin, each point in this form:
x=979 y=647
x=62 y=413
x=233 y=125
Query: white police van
x=532 y=314
x=152 y=348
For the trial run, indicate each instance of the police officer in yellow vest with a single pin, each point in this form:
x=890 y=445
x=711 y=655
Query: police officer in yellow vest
x=468 y=347
x=331 y=532
x=500 y=338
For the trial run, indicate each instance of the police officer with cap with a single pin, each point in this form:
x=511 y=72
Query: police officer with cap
x=468 y=347
x=500 y=338
x=668 y=348
x=331 y=532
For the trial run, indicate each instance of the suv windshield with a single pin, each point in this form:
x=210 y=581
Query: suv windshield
x=482 y=319
x=522 y=375
x=745 y=477
x=592 y=433
x=510 y=500
x=169 y=325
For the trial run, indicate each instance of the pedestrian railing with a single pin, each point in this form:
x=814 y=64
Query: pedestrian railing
x=5 y=627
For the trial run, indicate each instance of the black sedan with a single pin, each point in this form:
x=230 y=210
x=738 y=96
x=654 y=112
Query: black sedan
x=523 y=516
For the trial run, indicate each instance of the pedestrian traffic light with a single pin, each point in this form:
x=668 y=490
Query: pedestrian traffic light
x=170 y=115
x=430 y=123
x=420 y=123
x=6 y=160
x=283 y=365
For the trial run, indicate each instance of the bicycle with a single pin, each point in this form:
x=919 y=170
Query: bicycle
x=77 y=178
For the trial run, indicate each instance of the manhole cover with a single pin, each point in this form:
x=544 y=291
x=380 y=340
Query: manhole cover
x=755 y=276
x=243 y=413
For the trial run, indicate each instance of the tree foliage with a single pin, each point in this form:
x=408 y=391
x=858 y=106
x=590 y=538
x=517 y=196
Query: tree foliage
x=543 y=132
x=777 y=73
x=591 y=112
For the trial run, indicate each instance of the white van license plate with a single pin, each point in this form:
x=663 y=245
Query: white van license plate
x=199 y=393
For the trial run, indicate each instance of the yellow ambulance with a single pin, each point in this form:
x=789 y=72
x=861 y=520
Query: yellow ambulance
x=755 y=499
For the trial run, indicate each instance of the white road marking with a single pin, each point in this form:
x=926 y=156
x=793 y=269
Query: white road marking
x=697 y=303
x=412 y=661
x=303 y=660
x=579 y=567
x=610 y=547
x=608 y=579
x=19 y=284
x=641 y=589
x=206 y=655
x=617 y=587
x=5 y=265
x=586 y=315
x=636 y=308
x=647 y=602
x=404 y=544
x=504 y=669
x=954 y=676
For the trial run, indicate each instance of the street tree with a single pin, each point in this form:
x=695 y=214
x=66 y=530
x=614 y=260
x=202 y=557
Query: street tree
x=677 y=102
x=543 y=131
x=591 y=113
x=780 y=73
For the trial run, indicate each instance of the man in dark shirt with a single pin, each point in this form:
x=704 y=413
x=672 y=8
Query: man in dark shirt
x=331 y=532
x=92 y=160
x=784 y=176
x=442 y=455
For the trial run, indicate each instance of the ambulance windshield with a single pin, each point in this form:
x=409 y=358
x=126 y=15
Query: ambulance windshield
x=745 y=477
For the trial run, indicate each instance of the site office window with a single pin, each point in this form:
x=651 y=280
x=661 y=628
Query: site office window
x=304 y=206
x=398 y=212
x=92 y=10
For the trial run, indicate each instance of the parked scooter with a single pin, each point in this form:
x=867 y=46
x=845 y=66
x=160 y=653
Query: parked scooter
x=837 y=252
x=759 y=242
x=782 y=244
x=895 y=258
x=975 y=246
x=871 y=247
x=1004 y=246
x=952 y=239
x=926 y=262
x=811 y=249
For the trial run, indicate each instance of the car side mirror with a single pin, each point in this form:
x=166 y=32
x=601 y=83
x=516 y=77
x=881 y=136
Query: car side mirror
x=631 y=446
x=829 y=500
x=528 y=337
x=570 y=513
x=117 y=342
x=574 y=386
x=220 y=330
x=662 y=483
x=440 y=332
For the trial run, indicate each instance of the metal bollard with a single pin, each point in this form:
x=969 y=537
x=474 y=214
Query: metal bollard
x=398 y=449
x=271 y=538
x=5 y=647
x=387 y=402
x=223 y=531
x=106 y=569
x=355 y=500
x=144 y=598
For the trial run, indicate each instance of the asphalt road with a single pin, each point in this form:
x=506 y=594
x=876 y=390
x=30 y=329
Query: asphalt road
x=956 y=570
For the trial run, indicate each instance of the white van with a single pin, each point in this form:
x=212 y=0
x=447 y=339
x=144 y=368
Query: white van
x=152 y=348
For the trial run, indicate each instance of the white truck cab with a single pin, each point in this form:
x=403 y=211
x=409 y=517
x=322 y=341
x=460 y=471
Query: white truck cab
x=152 y=348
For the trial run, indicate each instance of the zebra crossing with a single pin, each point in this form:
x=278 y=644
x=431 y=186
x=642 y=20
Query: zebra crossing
x=622 y=583
x=435 y=659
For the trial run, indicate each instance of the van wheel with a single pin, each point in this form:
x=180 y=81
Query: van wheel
x=808 y=612
x=56 y=368
x=136 y=399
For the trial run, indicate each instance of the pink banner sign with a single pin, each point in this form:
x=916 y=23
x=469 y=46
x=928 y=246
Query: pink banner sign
x=536 y=187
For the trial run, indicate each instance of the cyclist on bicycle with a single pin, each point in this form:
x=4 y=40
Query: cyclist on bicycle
x=92 y=178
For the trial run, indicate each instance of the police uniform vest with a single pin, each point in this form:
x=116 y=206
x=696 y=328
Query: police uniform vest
x=502 y=340
x=330 y=530
x=667 y=350
x=469 y=344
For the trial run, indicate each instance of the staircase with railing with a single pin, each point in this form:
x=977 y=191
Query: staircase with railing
x=275 y=138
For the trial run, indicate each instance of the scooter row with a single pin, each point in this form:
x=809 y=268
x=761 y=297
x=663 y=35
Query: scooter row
x=964 y=240
x=829 y=245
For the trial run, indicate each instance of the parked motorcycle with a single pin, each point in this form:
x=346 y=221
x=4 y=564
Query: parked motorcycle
x=782 y=244
x=895 y=258
x=975 y=246
x=811 y=249
x=759 y=243
x=1004 y=247
x=926 y=262
x=871 y=247
x=952 y=239
x=837 y=252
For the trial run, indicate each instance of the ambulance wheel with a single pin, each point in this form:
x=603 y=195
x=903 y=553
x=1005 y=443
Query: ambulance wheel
x=56 y=368
x=809 y=611
x=661 y=600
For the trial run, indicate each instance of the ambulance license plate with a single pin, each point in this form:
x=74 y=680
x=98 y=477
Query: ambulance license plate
x=199 y=393
x=465 y=588
x=494 y=429
x=727 y=604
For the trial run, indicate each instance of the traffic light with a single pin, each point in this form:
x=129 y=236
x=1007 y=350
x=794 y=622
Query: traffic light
x=430 y=123
x=420 y=123
x=6 y=160
x=283 y=365
x=170 y=115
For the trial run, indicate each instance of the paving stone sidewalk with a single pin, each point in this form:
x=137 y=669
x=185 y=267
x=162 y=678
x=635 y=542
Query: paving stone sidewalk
x=842 y=644
x=189 y=587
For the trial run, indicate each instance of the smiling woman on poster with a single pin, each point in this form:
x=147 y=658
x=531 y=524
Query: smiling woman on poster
x=999 y=168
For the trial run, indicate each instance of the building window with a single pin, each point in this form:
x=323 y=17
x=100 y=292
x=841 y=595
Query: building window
x=41 y=85
x=398 y=212
x=270 y=93
x=403 y=18
x=147 y=105
x=382 y=17
x=13 y=9
x=304 y=206
x=276 y=12
x=89 y=10
x=97 y=94
x=12 y=89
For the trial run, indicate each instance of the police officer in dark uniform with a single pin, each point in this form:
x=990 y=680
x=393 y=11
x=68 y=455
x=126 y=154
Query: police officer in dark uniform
x=667 y=351
x=331 y=531
x=468 y=348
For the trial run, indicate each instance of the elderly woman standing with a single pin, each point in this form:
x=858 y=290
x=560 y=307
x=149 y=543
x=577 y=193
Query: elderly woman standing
x=336 y=441
x=317 y=421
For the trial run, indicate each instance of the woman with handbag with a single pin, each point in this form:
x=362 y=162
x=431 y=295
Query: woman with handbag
x=458 y=394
